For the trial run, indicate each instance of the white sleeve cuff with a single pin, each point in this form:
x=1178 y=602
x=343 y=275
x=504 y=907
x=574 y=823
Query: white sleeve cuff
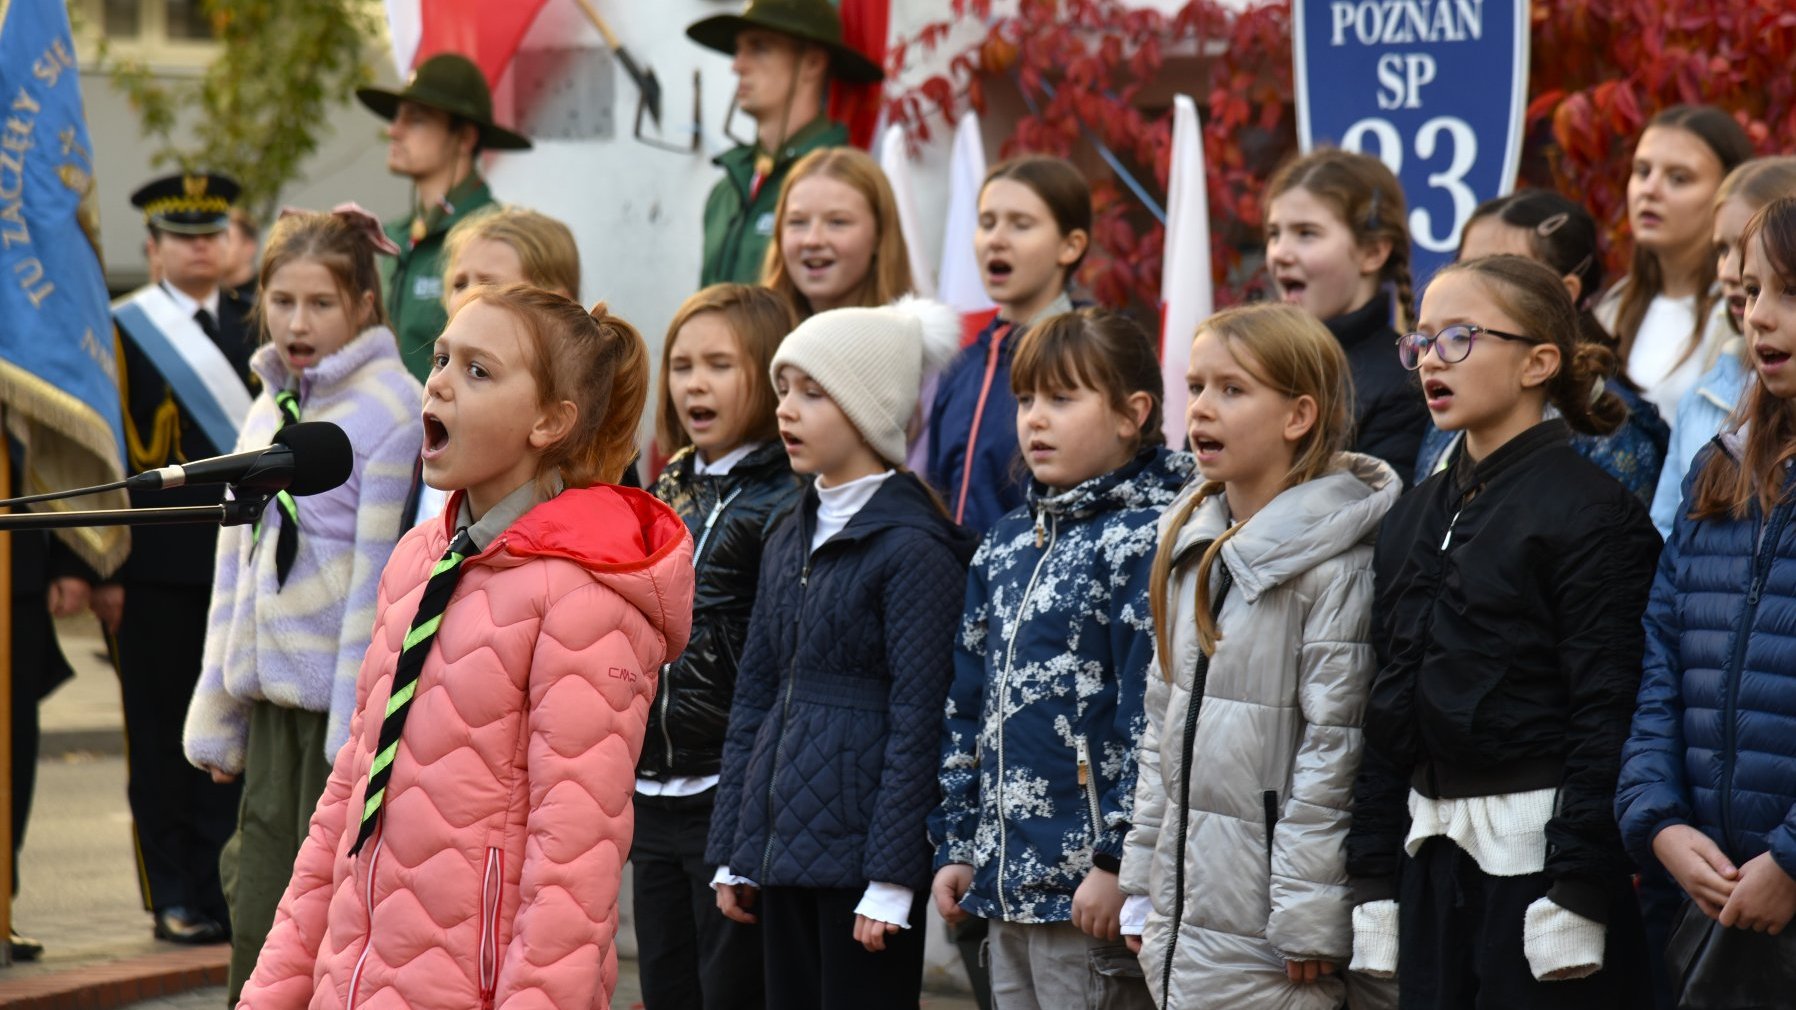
x=886 y=903
x=1375 y=939
x=1561 y=944
x=725 y=878
x=1134 y=913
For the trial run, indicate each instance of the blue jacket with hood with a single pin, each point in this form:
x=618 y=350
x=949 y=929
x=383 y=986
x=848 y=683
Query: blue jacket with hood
x=1045 y=713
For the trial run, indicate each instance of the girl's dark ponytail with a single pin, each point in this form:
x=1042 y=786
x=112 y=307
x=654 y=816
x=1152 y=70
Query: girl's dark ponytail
x=1580 y=391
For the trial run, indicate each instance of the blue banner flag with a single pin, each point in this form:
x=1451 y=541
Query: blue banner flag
x=58 y=367
x=1436 y=89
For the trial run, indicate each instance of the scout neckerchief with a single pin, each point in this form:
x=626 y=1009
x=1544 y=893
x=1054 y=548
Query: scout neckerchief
x=405 y=677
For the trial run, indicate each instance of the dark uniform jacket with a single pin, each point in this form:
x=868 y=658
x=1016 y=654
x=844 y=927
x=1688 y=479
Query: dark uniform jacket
x=158 y=432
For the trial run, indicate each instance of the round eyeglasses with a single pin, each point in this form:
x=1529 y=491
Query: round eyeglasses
x=1452 y=343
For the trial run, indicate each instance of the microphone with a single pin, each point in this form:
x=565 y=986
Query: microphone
x=306 y=458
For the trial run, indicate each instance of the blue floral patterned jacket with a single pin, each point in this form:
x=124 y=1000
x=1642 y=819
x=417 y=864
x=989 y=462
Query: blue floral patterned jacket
x=1043 y=718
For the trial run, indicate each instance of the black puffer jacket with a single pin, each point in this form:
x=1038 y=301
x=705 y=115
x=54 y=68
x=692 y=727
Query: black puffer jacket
x=1390 y=415
x=1507 y=631
x=691 y=713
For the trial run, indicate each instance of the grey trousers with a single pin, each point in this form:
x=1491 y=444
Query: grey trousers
x=1054 y=966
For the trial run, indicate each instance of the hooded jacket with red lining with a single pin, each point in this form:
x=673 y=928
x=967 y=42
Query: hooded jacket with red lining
x=493 y=878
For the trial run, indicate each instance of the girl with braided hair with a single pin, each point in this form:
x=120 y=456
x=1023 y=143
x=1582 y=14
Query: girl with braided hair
x=1337 y=245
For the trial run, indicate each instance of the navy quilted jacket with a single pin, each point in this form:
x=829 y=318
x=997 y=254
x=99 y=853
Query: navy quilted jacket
x=1714 y=736
x=1045 y=714
x=829 y=770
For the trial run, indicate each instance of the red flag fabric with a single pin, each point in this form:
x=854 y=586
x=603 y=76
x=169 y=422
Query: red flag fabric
x=486 y=32
x=864 y=27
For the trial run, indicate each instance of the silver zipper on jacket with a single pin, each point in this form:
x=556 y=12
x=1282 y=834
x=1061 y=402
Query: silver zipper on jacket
x=1053 y=529
x=1088 y=782
x=698 y=553
x=1445 y=540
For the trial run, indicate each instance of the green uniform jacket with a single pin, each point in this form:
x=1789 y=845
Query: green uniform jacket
x=738 y=218
x=413 y=280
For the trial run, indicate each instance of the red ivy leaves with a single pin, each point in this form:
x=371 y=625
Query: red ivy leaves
x=1601 y=69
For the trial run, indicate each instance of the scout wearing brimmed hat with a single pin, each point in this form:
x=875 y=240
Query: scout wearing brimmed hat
x=441 y=120
x=785 y=53
x=184 y=348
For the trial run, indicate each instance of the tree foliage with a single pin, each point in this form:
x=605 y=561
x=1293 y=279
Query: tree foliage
x=1600 y=69
x=260 y=107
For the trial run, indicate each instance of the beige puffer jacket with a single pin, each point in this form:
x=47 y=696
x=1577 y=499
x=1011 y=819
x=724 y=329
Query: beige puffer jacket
x=1275 y=751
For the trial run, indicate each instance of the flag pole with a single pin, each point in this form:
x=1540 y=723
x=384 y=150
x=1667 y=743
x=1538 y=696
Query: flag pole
x=6 y=673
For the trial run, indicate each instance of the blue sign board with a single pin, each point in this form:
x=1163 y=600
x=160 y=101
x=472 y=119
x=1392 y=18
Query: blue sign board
x=1437 y=89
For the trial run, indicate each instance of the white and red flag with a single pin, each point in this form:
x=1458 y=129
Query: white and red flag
x=894 y=161
x=959 y=283
x=484 y=31
x=1187 y=294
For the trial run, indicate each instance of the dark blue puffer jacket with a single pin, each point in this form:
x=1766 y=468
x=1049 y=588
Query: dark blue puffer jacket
x=1713 y=743
x=829 y=770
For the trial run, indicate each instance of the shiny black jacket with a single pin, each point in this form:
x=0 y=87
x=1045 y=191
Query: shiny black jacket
x=1507 y=630
x=729 y=516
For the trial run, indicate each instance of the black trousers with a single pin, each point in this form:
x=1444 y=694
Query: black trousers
x=690 y=956
x=182 y=817
x=38 y=667
x=814 y=963
x=1461 y=942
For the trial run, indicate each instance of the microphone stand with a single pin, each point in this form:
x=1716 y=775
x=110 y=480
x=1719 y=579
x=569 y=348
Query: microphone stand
x=231 y=512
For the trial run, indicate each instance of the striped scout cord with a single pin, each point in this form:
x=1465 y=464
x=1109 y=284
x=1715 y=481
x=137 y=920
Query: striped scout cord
x=405 y=678
x=286 y=544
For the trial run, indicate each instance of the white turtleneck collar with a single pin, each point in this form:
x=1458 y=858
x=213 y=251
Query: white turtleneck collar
x=724 y=463
x=836 y=505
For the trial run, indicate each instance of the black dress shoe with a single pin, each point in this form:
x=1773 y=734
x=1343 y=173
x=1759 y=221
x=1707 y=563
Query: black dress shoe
x=183 y=925
x=24 y=948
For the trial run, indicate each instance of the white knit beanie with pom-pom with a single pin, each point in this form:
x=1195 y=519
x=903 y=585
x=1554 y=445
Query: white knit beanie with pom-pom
x=872 y=361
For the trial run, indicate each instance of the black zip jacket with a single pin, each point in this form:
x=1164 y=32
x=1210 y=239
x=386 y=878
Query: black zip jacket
x=729 y=516
x=1390 y=414
x=1508 y=636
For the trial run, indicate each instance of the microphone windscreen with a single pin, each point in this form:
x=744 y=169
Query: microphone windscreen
x=321 y=456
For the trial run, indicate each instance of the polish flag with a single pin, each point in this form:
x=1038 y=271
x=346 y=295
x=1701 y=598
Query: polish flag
x=959 y=284
x=1187 y=296
x=484 y=31
x=894 y=160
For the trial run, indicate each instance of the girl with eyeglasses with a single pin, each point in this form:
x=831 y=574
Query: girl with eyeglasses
x=1486 y=864
x=1548 y=228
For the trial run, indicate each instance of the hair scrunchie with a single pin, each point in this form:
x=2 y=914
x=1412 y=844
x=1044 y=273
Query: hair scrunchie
x=358 y=218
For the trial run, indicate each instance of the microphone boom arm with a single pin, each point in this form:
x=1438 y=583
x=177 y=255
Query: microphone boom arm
x=235 y=512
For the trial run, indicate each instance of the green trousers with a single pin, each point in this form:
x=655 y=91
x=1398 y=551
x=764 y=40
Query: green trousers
x=284 y=772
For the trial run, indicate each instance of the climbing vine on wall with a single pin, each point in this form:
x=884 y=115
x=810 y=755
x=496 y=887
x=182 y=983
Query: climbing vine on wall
x=1600 y=69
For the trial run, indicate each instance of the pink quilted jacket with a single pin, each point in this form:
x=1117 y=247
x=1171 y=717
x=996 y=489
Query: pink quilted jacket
x=493 y=879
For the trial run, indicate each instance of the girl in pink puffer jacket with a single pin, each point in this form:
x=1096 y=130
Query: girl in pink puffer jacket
x=469 y=846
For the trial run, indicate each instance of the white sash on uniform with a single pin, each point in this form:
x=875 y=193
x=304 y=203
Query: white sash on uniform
x=204 y=380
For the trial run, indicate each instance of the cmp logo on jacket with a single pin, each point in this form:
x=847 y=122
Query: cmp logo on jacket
x=1038 y=762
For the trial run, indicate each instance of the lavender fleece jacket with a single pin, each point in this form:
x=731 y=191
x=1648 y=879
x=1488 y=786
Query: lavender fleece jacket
x=301 y=645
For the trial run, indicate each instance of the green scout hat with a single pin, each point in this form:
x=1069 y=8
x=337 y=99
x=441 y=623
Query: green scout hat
x=188 y=204
x=813 y=21
x=448 y=82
